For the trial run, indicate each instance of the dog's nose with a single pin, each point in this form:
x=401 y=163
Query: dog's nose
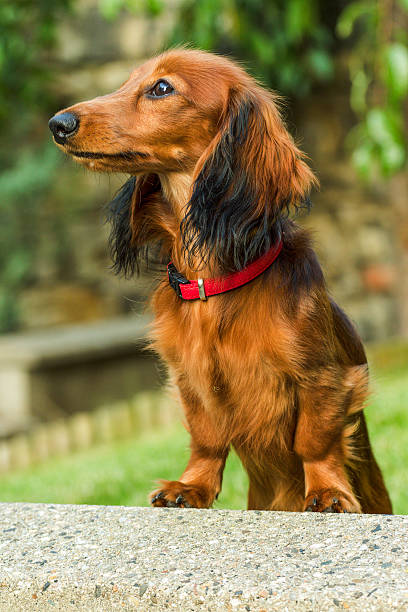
x=63 y=126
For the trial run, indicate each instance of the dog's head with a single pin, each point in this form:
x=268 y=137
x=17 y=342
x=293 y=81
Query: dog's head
x=192 y=112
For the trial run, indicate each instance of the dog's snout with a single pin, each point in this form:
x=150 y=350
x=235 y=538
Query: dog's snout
x=63 y=126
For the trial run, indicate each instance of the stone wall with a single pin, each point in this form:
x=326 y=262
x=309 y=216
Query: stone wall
x=353 y=225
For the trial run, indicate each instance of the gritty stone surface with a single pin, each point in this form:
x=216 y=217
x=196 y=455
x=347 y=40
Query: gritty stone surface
x=113 y=558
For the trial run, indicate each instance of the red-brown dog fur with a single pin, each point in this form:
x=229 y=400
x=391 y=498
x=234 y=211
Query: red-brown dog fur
x=273 y=369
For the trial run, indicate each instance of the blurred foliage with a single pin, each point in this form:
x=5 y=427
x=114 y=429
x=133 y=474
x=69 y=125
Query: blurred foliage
x=22 y=189
x=285 y=43
x=379 y=82
x=292 y=45
x=111 y=9
x=27 y=37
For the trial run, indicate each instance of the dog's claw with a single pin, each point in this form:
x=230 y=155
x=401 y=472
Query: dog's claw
x=332 y=508
x=179 y=503
x=175 y=494
x=156 y=497
x=312 y=507
x=328 y=502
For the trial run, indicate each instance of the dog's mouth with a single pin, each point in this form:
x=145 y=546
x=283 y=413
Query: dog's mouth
x=124 y=155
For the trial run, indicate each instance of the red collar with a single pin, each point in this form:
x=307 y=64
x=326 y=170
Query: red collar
x=202 y=289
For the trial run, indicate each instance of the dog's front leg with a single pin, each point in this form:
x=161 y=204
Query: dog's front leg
x=319 y=443
x=201 y=481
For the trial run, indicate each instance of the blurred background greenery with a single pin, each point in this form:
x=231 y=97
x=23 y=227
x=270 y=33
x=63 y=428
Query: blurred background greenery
x=343 y=67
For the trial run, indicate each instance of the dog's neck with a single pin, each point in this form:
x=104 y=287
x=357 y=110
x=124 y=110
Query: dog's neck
x=177 y=188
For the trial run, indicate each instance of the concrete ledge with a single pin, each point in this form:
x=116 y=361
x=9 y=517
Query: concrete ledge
x=114 y=558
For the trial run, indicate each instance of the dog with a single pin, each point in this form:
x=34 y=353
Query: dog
x=263 y=359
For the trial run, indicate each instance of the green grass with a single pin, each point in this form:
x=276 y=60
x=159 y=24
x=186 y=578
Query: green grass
x=120 y=473
x=387 y=418
x=125 y=472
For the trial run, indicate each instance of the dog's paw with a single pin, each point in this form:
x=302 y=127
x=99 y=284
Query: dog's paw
x=175 y=494
x=330 y=500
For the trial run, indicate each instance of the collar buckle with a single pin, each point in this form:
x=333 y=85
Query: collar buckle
x=176 y=279
x=201 y=290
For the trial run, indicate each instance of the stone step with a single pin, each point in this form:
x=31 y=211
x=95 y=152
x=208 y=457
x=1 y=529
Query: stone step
x=115 y=558
x=50 y=374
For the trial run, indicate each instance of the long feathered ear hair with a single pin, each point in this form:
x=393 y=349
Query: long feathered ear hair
x=140 y=218
x=251 y=174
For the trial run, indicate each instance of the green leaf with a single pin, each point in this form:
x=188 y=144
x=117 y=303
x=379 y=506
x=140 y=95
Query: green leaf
x=154 y=7
x=321 y=64
x=380 y=126
x=299 y=18
x=110 y=8
x=396 y=60
x=359 y=86
x=362 y=158
x=351 y=13
x=392 y=157
x=385 y=131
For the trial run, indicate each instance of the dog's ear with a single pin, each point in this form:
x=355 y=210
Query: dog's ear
x=138 y=218
x=250 y=175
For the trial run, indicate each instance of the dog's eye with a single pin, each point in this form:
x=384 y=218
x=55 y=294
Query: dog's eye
x=160 y=89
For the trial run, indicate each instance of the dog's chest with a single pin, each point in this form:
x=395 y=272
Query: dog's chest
x=231 y=369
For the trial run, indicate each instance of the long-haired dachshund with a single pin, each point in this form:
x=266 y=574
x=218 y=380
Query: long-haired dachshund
x=263 y=359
